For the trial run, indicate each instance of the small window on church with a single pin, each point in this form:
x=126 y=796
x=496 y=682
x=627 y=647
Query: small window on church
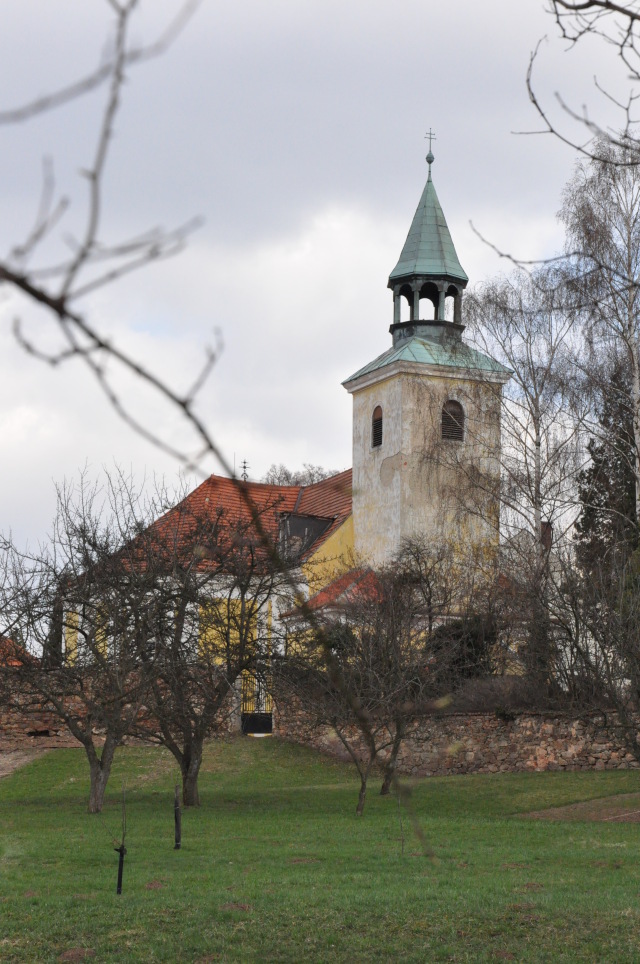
x=453 y=421
x=376 y=427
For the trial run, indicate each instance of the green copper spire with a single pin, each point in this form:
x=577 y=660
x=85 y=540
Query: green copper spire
x=428 y=251
x=428 y=269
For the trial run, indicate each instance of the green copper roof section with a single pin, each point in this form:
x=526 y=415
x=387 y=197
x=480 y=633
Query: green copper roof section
x=423 y=351
x=428 y=249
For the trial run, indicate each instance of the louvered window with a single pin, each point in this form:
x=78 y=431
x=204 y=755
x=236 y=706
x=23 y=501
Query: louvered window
x=453 y=421
x=376 y=427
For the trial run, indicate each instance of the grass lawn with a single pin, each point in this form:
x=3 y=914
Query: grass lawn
x=276 y=867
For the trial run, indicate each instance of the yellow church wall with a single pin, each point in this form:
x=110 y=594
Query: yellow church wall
x=220 y=626
x=334 y=556
x=71 y=637
x=102 y=645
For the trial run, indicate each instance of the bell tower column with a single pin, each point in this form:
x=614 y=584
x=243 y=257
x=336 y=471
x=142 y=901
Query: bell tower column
x=426 y=411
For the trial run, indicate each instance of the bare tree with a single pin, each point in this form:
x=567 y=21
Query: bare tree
x=59 y=287
x=616 y=25
x=601 y=214
x=210 y=620
x=307 y=475
x=142 y=623
x=75 y=604
x=524 y=321
x=381 y=656
x=595 y=616
x=92 y=262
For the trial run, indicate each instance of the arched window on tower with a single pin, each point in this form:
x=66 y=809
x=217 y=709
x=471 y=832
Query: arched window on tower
x=453 y=421
x=376 y=427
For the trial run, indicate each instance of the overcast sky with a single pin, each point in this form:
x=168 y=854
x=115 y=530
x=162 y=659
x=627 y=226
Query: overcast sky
x=296 y=131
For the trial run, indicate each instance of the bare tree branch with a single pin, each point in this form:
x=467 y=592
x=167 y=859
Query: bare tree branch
x=102 y=74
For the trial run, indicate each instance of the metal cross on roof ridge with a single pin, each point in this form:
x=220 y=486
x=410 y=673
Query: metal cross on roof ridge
x=431 y=137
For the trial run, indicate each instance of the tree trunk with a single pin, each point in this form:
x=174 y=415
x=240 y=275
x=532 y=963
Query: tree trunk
x=361 y=796
x=52 y=652
x=100 y=768
x=385 y=789
x=538 y=657
x=190 y=768
x=390 y=768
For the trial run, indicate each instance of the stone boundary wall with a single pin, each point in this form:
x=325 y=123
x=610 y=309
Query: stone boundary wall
x=458 y=743
x=19 y=731
x=483 y=743
x=39 y=729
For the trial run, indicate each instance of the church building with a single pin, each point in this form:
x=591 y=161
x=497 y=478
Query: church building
x=426 y=413
x=426 y=446
x=426 y=430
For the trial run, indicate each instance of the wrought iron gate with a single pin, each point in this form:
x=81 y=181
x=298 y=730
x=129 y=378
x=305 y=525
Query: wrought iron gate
x=256 y=703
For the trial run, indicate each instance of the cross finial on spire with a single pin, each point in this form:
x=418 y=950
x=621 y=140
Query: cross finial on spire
x=430 y=157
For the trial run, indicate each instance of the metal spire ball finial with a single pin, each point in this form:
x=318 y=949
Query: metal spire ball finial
x=430 y=157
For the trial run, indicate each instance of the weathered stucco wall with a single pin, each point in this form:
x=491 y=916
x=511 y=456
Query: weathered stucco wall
x=377 y=503
x=416 y=483
x=483 y=743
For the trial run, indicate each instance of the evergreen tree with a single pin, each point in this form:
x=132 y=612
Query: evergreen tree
x=607 y=528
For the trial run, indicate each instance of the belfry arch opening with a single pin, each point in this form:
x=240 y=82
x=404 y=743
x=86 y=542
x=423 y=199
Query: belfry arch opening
x=406 y=303
x=453 y=304
x=429 y=301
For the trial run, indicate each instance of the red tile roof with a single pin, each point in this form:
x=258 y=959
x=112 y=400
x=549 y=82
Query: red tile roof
x=339 y=590
x=329 y=499
x=12 y=653
x=233 y=503
x=347 y=587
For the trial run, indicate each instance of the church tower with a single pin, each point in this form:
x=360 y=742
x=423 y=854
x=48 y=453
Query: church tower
x=426 y=413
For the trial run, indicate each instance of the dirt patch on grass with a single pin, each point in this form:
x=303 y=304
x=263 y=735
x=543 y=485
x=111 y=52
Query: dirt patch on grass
x=14 y=759
x=623 y=808
x=77 y=954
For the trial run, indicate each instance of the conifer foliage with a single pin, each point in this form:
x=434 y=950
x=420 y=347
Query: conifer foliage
x=607 y=526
